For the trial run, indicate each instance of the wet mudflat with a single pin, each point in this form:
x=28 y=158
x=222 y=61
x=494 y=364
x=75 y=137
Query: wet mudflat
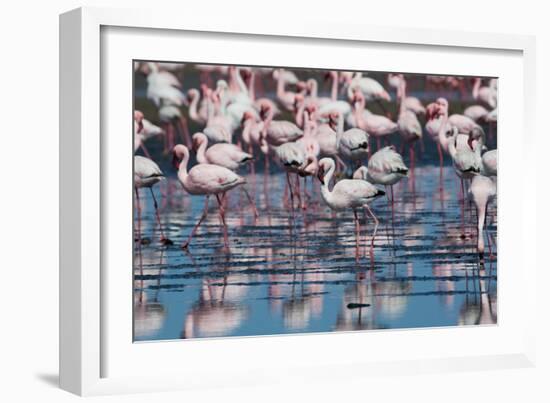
x=296 y=272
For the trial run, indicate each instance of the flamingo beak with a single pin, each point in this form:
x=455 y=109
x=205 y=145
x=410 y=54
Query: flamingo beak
x=470 y=143
x=321 y=175
x=140 y=126
x=176 y=161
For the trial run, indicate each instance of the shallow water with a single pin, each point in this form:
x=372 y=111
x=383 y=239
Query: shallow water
x=298 y=272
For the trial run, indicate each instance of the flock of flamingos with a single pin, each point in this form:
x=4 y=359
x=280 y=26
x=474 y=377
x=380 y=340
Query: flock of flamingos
x=336 y=139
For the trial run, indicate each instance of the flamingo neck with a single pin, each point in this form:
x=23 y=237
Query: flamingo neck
x=209 y=110
x=201 y=151
x=475 y=89
x=182 y=171
x=300 y=115
x=359 y=112
x=325 y=192
x=246 y=131
x=443 y=140
x=334 y=89
x=240 y=83
x=314 y=88
x=193 y=113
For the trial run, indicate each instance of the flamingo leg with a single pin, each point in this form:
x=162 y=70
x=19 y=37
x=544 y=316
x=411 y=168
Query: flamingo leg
x=222 y=217
x=440 y=153
x=289 y=183
x=138 y=209
x=163 y=239
x=139 y=242
x=252 y=203
x=376 y=222
x=357 y=234
x=298 y=191
x=307 y=196
x=185 y=245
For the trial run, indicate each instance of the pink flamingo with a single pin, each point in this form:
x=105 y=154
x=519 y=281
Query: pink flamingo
x=146 y=174
x=278 y=132
x=218 y=127
x=411 y=103
x=286 y=98
x=197 y=114
x=349 y=194
x=376 y=125
x=225 y=155
x=409 y=126
x=205 y=179
x=487 y=95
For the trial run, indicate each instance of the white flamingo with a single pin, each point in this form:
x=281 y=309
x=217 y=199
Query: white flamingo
x=482 y=191
x=385 y=167
x=349 y=194
x=146 y=174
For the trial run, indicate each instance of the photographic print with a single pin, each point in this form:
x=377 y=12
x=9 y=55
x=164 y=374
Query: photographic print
x=274 y=200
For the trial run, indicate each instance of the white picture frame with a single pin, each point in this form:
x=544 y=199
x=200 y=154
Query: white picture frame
x=84 y=294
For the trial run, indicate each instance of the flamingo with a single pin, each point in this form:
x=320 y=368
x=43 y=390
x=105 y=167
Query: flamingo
x=218 y=127
x=385 y=167
x=376 y=125
x=146 y=174
x=486 y=95
x=371 y=89
x=278 y=132
x=226 y=155
x=489 y=162
x=349 y=194
x=482 y=191
x=293 y=158
x=327 y=137
x=408 y=124
x=286 y=98
x=411 y=103
x=196 y=113
x=463 y=123
x=476 y=112
x=205 y=179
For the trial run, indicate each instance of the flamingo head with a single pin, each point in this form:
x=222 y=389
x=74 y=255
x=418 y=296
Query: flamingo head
x=298 y=100
x=333 y=118
x=322 y=168
x=432 y=111
x=198 y=139
x=180 y=151
x=192 y=94
x=265 y=108
x=247 y=115
x=311 y=108
x=476 y=134
x=302 y=86
x=361 y=173
x=346 y=77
